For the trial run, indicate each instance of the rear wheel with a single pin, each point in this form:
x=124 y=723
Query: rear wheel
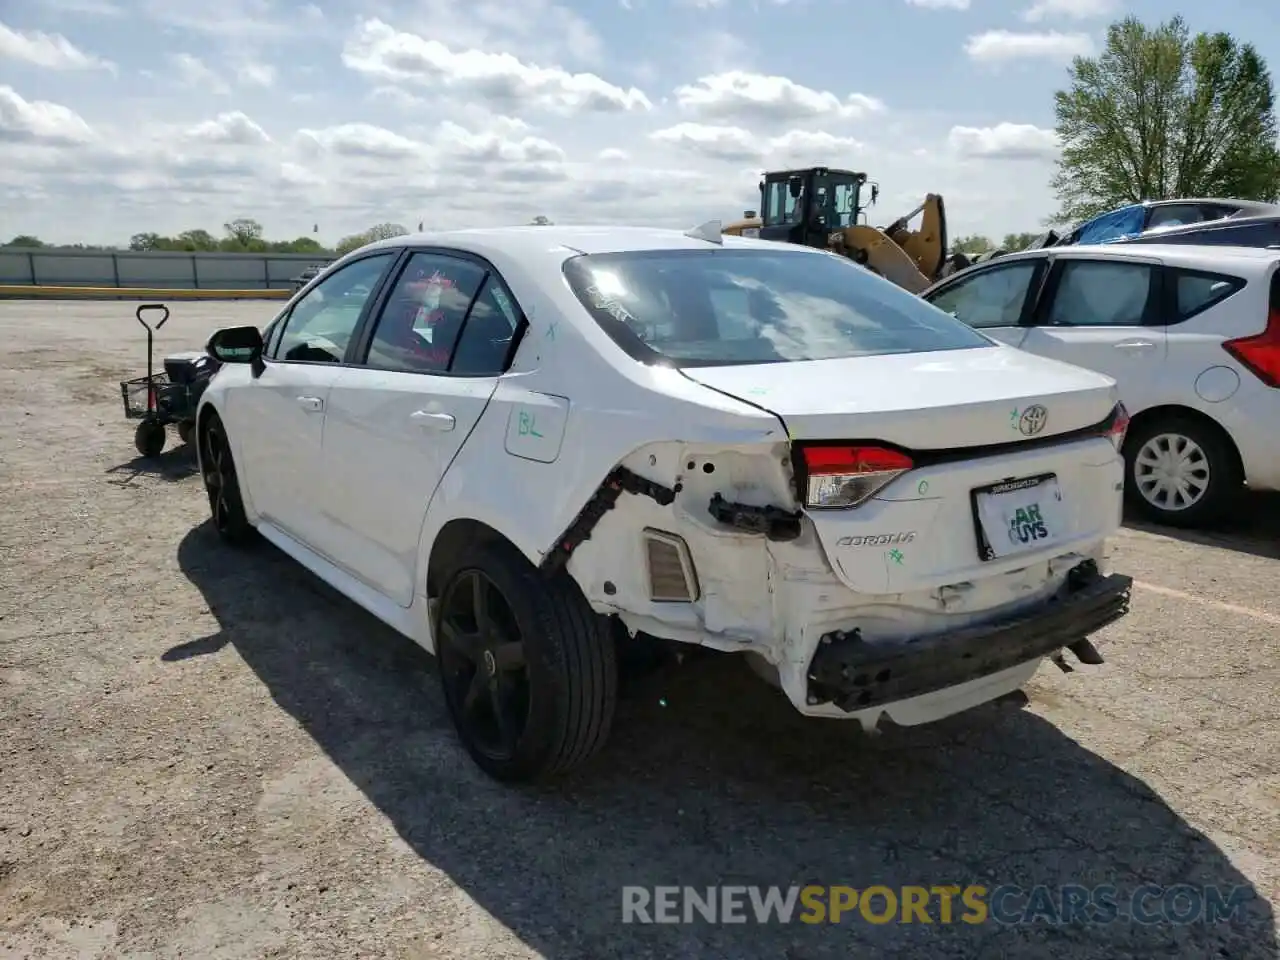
x=1181 y=472
x=529 y=671
x=222 y=485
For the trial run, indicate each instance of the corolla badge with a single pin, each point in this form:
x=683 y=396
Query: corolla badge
x=1032 y=420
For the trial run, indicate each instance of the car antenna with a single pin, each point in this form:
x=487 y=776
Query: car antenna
x=709 y=231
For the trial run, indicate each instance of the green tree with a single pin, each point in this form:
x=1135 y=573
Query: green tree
x=243 y=233
x=540 y=221
x=26 y=240
x=197 y=240
x=146 y=241
x=1161 y=114
x=385 y=231
x=974 y=244
x=1014 y=242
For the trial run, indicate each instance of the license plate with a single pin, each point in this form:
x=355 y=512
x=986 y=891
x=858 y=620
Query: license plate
x=1015 y=516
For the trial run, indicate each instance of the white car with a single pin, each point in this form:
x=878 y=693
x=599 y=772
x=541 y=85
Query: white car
x=1191 y=335
x=525 y=447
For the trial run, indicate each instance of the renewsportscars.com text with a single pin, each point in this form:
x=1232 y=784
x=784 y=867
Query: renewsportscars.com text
x=939 y=904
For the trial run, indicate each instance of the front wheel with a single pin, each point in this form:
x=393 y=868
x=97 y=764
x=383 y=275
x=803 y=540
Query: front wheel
x=1180 y=472
x=529 y=671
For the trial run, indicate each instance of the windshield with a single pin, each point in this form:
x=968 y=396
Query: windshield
x=720 y=307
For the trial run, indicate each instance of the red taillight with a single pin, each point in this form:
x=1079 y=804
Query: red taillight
x=1119 y=426
x=1260 y=354
x=840 y=476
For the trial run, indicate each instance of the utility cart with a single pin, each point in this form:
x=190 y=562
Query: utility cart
x=165 y=396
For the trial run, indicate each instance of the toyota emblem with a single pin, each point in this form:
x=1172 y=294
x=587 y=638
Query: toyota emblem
x=1032 y=420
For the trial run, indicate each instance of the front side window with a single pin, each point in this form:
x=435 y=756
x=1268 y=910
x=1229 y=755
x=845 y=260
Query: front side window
x=319 y=326
x=719 y=307
x=992 y=298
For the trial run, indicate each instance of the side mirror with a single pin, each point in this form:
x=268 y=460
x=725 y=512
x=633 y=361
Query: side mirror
x=236 y=345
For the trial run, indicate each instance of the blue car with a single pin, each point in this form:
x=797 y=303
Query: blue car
x=1138 y=219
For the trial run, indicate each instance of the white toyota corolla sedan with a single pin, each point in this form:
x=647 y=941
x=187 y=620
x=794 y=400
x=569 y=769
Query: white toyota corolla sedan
x=528 y=447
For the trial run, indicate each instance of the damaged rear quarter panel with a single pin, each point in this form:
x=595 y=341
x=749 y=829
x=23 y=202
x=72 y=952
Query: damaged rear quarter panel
x=618 y=411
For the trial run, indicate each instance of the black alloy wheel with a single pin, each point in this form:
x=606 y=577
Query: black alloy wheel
x=483 y=666
x=223 y=486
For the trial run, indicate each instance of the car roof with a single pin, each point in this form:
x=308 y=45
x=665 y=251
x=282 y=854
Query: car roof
x=1221 y=201
x=541 y=241
x=1169 y=252
x=1225 y=223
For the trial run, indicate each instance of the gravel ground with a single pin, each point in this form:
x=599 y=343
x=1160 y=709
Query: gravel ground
x=209 y=755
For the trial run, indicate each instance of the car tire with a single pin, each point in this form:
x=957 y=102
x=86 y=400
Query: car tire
x=149 y=438
x=222 y=484
x=1205 y=457
x=557 y=694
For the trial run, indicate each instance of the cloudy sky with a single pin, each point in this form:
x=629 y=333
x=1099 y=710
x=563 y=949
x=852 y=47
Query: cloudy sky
x=118 y=116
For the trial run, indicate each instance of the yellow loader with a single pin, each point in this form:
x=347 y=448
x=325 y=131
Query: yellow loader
x=825 y=207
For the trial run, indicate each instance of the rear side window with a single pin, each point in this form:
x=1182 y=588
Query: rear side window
x=1196 y=291
x=732 y=306
x=1101 y=293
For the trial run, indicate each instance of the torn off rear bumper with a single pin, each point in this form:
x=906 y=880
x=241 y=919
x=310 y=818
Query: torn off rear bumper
x=854 y=674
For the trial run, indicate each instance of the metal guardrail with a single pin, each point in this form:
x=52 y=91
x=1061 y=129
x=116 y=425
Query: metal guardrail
x=27 y=291
x=51 y=272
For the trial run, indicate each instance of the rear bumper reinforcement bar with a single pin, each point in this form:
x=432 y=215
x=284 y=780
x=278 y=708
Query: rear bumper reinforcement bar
x=855 y=674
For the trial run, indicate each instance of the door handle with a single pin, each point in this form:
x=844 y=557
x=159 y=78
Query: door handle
x=312 y=404
x=1136 y=345
x=443 y=422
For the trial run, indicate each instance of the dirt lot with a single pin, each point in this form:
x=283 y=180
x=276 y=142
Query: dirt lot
x=210 y=755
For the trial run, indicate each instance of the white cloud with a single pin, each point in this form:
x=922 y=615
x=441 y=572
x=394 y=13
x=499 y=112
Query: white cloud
x=39 y=121
x=190 y=71
x=1070 y=10
x=996 y=46
x=757 y=98
x=230 y=129
x=379 y=50
x=940 y=4
x=295 y=117
x=1005 y=141
x=738 y=145
x=50 y=50
x=257 y=74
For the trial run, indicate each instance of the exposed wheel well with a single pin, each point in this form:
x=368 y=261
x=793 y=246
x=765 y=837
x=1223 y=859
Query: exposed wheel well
x=1173 y=411
x=452 y=538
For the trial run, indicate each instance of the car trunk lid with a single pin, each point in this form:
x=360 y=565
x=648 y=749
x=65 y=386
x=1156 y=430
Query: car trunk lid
x=925 y=435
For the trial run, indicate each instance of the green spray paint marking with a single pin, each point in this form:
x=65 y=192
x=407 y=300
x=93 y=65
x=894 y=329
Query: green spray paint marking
x=1013 y=418
x=528 y=425
x=896 y=556
x=923 y=487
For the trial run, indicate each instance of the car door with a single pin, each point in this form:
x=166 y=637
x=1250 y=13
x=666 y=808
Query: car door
x=278 y=416
x=396 y=418
x=1103 y=314
x=996 y=300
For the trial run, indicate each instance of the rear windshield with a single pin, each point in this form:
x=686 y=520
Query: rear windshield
x=695 y=308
